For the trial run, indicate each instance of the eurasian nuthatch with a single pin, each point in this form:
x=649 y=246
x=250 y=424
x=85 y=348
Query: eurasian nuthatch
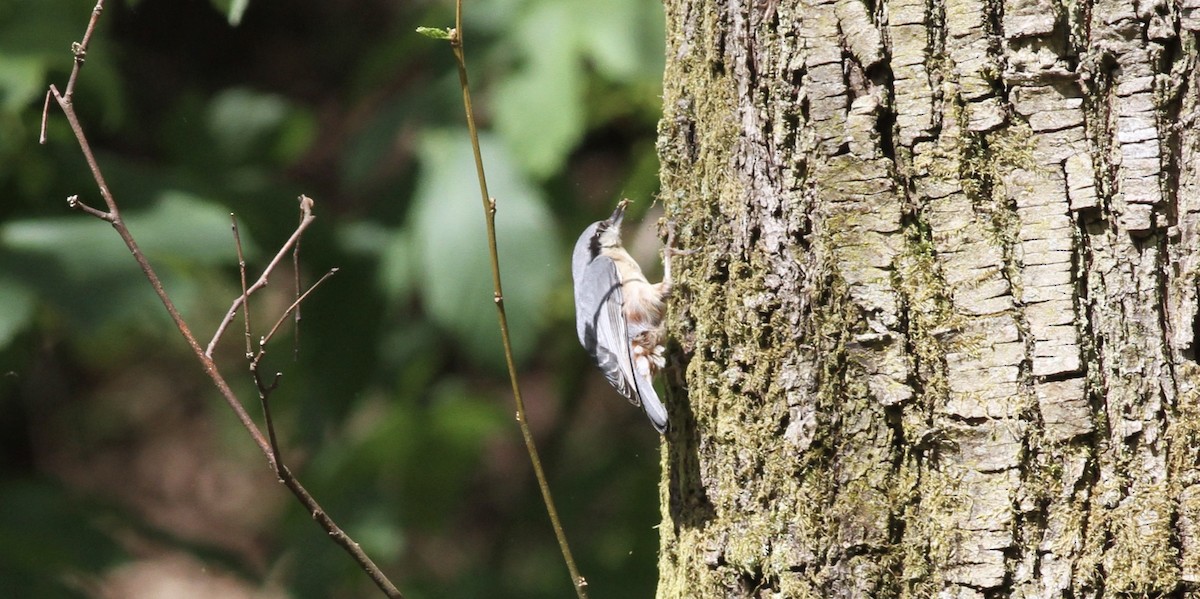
x=618 y=313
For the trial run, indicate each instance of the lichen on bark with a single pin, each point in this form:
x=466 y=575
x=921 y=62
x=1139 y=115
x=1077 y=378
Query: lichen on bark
x=939 y=328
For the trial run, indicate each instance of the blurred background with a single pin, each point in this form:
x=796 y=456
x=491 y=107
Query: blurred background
x=123 y=473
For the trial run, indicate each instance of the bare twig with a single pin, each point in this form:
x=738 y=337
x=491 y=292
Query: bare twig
x=306 y=219
x=264 y=396
x=113 y=216
x=264 y=391
x=77 y=204
x=295 y=307
x=237 y=242
x=489 y=210
x=80 y=49
x=45 y=117
x=296 y=286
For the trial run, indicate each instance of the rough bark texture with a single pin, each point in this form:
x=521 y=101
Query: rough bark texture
x=938 y=335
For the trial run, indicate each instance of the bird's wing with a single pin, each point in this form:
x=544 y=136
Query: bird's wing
x=606 y=336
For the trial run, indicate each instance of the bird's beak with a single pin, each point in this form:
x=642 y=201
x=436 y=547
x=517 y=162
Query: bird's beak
x=619 y=213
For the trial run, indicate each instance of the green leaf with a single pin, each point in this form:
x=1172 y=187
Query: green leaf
x=185 y=227
x=39 y=27
x=437 y=33
x=463 y=421
x=237 y=9
x=83 y=246
x=82 y=266
x=35 y=39
x=21 y=81
x=397 y=268
x=233 y=10
x=363 y=236
x=180 y=227
x=539 y=108
x=542 y=108
x=450 y=244
x=294 y=136
x=16 y=309
x=240 y=120
x=623 y=38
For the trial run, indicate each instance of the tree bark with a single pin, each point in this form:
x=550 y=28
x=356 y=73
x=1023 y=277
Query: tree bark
x=937 y=338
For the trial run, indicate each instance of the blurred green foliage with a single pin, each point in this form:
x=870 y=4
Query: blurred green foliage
x=395 y=409
x=449 y=242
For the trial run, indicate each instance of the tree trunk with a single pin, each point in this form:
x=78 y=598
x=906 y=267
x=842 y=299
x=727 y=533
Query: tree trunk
x=938 y=336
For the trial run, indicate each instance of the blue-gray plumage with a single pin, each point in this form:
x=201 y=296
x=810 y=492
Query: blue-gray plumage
x=618 y=314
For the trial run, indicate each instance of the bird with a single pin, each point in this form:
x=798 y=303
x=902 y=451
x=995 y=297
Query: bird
x=619 y=314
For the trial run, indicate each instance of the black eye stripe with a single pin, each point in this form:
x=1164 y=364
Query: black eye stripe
x=594 y=246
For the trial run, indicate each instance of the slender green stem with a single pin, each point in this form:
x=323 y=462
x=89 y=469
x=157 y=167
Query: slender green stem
x=489 y=209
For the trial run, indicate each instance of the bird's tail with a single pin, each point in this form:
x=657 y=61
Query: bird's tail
x=650 y=402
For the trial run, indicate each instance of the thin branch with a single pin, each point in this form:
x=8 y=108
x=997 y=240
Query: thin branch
x=80 y=50
x=75 y=203
x=281 y=470
x=237 y=241
x=264 y=396
x=489 y=209
x=45 y=117
x=306 y=219
x=64 y=102
x=264 y=391
x=295 y=307
x=296 y=287
x=113 y=216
